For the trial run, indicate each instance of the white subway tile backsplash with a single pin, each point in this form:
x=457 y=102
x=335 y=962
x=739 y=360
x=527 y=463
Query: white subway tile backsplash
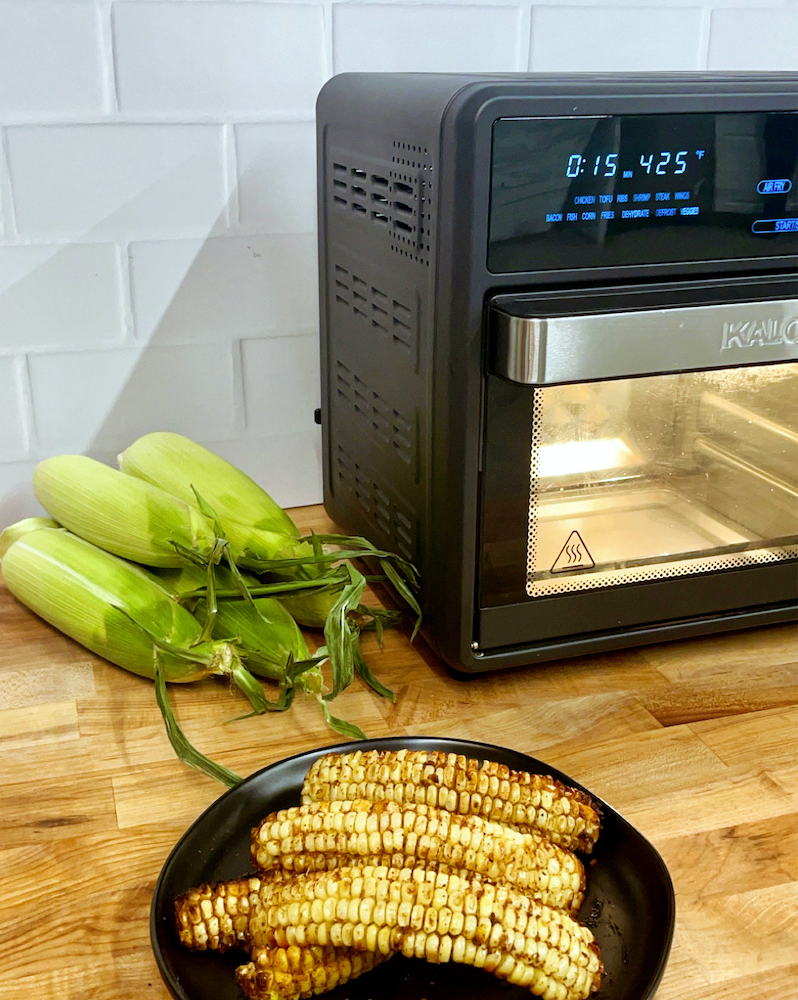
x=50 y=59
x=59 y=295
x=281 y=383
x=219 y=58
x=156 y=134
x=615 y=39
x=13 y=437
x=120 y=181
x=277 y=177
x=224 y=288
x=754 y=38
x=439 y=38
x=287 y=465
x=103 y=400
x=17 y=499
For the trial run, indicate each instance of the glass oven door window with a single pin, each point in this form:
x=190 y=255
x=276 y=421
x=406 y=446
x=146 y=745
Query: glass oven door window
x=662 y=476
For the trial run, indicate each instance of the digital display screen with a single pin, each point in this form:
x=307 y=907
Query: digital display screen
x=628 y=189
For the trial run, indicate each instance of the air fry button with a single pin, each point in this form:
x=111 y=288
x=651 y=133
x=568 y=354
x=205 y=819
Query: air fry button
x=774 y=186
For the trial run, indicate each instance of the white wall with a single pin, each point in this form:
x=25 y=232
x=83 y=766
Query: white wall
x=157 y=249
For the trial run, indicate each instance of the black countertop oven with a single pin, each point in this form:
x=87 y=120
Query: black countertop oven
x=560 y=351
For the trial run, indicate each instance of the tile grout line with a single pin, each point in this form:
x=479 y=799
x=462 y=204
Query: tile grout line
x=706 y=30
x=524 y=43
x=125 y=279
x=26 y=401
x=329 y=46
x=9 y=230
x=232 y=206
x=105 y=13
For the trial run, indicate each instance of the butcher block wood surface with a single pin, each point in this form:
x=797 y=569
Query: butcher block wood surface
x=694 y=742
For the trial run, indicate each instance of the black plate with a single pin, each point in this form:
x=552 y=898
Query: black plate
x=629 y=903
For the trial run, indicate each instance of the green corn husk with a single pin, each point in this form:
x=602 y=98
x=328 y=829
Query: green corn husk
x=15 y=531
x=187 y=469
x=123 y=515
x=109 y=606
x=179 y=581
x=268 y=648
x=267 y=636
x=134 y=519
x=116 y=610
x=176 y=464
x=309 y=608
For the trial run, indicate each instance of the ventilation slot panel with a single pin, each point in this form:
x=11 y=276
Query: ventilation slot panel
x=386 y=512
x=397 y=200
x=387 y=425
x=343 y=382
x=385 y=315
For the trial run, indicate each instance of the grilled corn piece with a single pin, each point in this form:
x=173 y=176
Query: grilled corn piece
x=524 y=801
x=443 y=918
x=217 y=917
x=327 y=835
x=291 y=973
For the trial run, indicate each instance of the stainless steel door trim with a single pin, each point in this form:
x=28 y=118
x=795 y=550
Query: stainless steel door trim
x=549 y=350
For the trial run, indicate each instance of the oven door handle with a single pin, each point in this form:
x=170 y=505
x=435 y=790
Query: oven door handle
x=547 y=350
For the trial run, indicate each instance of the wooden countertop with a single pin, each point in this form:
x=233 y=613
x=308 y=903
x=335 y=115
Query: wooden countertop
x=695 y=743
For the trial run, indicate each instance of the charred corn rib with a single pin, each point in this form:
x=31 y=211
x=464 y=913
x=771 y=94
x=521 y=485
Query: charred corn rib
x=291 y=973
x=460 y=785
x=323 y=835
x=218 y=918
x=443 y=918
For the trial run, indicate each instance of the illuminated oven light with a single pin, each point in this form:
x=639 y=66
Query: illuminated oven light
x=573 y=457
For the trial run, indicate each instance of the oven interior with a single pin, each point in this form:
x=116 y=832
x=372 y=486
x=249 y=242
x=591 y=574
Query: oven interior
x=661 y=476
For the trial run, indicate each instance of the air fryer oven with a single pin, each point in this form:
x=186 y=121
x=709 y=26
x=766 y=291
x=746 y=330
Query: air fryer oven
x=560 y=351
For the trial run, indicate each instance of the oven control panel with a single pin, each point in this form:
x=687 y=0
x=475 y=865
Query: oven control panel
x=633 y=189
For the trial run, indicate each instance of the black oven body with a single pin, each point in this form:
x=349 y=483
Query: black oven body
x=426 y=440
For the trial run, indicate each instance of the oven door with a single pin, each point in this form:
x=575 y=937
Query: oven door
x=640 y=462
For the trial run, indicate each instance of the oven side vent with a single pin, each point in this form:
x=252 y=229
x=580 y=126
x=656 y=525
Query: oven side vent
x=411 y=188
x=384 y=424
x=394 y=519
x=385 y=315
x=396 y=196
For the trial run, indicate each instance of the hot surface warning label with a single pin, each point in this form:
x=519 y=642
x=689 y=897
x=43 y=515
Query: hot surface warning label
x=573 y=555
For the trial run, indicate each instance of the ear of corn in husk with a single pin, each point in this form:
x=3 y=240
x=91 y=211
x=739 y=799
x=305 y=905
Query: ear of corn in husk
x=164 y=458
x=269 y=639
x=114 y=608
x=267 y=636
x=185 y=469
x=261 y=540
x=256 y=526
x=15 y=531
x=131 y=518
x=124 y=516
